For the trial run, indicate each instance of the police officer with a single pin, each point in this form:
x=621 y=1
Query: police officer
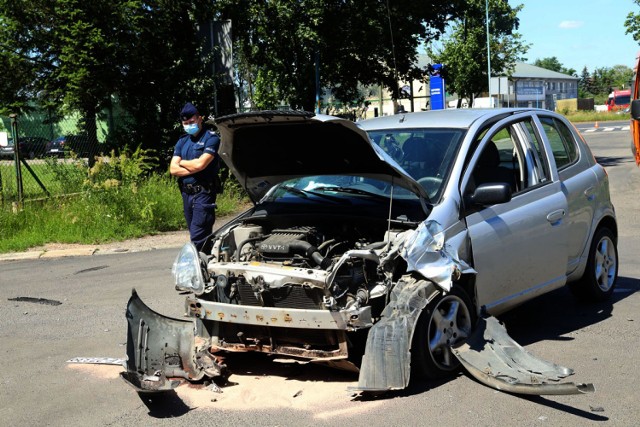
x=196 y=164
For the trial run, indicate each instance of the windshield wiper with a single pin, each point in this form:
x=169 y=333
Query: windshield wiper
x=305 y=194
x=294 y=190
x=350 y=190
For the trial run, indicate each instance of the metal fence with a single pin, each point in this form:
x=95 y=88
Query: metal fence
x=53 y=156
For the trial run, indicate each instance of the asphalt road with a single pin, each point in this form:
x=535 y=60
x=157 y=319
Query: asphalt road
x=38 y=387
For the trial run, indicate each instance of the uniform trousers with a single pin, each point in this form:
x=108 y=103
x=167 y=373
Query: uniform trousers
x=200 y=213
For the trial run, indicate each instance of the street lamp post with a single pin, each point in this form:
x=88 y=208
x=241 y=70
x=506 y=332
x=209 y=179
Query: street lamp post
x=486 y=6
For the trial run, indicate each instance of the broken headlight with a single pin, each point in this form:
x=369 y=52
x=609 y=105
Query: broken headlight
x=187 y=270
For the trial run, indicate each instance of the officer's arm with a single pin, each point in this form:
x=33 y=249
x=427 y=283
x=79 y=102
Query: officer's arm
x=175 y=169
x=196 y=165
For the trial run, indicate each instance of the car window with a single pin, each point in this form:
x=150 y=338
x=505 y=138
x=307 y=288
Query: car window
x=499 y=161
x=512 y=155
x=563 y=145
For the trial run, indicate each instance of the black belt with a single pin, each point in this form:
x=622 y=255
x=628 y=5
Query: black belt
x=194 y=188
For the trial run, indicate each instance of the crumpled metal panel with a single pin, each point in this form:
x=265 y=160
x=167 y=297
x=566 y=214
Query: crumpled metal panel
x=386 y=363
x=426 y=252
x=495 y=359
x=158 y=347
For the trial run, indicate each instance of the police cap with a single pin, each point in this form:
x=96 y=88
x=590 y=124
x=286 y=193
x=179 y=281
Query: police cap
x=188 y=111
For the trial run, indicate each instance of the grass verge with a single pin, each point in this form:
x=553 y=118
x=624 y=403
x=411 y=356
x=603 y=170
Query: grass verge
x=594 y=116
x=116 y=202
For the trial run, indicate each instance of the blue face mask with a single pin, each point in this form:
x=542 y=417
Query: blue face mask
x=191 y=129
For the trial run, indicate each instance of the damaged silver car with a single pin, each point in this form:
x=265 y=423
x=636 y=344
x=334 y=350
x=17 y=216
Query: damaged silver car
x=386 y=246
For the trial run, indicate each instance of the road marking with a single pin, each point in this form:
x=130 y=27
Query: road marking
x=605 y=129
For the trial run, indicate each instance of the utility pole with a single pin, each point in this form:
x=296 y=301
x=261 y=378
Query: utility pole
x=486 y=5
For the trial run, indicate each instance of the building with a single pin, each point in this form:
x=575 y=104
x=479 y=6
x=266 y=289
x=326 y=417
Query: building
x=414 y=95
x=531 y=86
x=527 y=86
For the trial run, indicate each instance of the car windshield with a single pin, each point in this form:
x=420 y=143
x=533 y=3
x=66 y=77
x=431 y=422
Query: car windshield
x=337 y=189
x=426 y=154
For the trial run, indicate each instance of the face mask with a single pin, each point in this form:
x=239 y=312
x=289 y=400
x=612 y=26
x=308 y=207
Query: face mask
x=191 y=129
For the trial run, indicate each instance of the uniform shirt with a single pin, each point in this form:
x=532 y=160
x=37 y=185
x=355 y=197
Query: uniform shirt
x=191 y=147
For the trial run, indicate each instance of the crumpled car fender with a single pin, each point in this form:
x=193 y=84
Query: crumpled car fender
x=492 y=357
x=386 y=364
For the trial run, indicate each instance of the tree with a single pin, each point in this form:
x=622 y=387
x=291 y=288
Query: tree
x=354 y=43
x=584 y=84
x=74 y=55
x=552 y=63
x=464 y=52
x=65 y=52
x=621 y=76
x=632 y=23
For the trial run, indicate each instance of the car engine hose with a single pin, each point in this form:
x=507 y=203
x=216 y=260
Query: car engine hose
x=309 y=251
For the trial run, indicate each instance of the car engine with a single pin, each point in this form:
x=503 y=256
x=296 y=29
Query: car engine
x=333 y=265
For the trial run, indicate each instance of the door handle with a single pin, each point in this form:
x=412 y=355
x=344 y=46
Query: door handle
x=555 y=216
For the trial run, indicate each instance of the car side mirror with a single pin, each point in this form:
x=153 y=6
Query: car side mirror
x=635 y=109
x=490 y=194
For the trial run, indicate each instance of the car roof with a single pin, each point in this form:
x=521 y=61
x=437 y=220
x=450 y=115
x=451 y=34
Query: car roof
x=461 y=118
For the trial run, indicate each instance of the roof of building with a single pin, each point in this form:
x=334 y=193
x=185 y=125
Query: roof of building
x=524 y=71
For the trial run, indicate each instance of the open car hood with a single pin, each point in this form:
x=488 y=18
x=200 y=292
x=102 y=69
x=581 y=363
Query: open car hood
x=265 y=148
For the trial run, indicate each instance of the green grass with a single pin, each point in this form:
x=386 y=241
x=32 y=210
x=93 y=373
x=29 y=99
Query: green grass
x=593 y=116
x=58 y=177
x=102 y=216
x=117 y=200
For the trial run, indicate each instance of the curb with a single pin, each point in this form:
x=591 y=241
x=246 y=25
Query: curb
x=91 y=251
x=20 y=256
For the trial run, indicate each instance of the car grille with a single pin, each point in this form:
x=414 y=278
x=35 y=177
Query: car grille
x=284 y=297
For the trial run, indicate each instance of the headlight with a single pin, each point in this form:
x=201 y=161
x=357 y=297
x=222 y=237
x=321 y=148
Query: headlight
x=187 y=271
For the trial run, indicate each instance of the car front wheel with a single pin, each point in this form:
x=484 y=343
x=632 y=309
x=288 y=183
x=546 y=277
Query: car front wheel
x=601 y=273
x=446 y=320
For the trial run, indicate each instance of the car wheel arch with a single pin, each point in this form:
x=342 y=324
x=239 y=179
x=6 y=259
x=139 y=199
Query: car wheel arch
x=435 y=363
x=598 y=279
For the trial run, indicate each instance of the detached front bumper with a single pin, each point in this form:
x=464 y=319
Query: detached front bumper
x=161 y=349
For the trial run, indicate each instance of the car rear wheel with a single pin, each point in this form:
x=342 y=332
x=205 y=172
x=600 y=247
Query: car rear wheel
x=601 y=273
x=446 y=320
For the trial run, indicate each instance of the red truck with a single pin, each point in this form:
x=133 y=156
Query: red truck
x=619 y=100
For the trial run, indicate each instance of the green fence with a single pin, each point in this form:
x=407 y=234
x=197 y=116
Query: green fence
x=54 y=156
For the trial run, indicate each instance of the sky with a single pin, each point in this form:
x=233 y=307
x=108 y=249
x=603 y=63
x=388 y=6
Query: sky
x=579 y=33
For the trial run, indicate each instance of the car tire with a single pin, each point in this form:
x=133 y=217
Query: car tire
x=449 y=318
x=600 y=276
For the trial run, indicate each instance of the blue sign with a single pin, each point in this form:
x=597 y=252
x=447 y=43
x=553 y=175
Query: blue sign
x=436 y=87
